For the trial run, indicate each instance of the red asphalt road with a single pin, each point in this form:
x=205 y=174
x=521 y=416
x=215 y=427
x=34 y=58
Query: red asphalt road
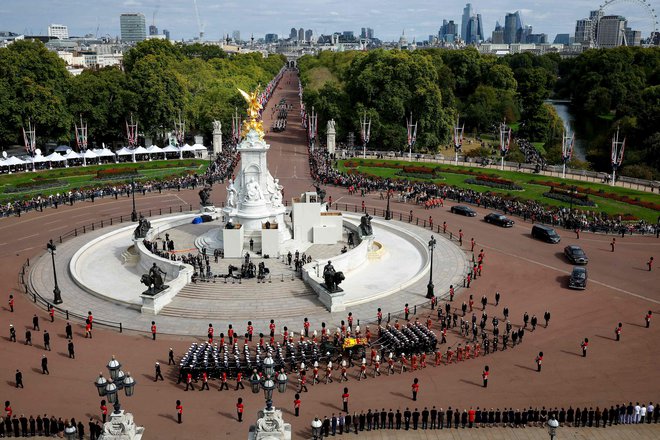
x=530 y=275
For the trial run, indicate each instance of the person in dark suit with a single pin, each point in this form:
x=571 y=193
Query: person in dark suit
x=398 y=419
x=415 y=418
x=44 y=365
x=406 y=418
x=19 y=379
x=390 y=419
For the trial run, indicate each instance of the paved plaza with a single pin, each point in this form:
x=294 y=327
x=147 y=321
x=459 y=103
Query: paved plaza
x=530 y=275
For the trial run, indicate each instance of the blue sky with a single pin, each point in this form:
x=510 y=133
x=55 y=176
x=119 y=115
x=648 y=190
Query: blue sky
x=388 y=18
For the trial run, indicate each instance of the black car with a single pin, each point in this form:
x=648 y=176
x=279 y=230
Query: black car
x=578 y=279
x=499 y=220
x=463 y=210
x=575 y=254
x=545 y=233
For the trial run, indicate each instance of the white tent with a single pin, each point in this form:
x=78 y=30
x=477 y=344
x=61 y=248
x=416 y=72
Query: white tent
x=155 y=149
x=103 y=152
x=72 y=155
x=12 y=161
x=55 y=157
x=140 y=150
x=88 y=154
x=171 y=149
x=125 y=152
x=187 y=147
x=199 y=147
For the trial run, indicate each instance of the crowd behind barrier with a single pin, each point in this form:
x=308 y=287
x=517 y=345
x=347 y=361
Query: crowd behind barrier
x=418 y=193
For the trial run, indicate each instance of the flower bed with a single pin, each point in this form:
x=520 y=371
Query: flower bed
x=569 y=197
x=35 y=185
x=601 y=193
x=494 y=182
x=116 y=173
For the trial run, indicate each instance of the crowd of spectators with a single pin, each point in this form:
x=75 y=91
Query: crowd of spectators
x=14 y=425
x=418 y=192
x=439 y=418
x=219 y=170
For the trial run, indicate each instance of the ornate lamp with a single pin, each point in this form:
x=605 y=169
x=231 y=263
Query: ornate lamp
x=100 y=384
x=129 y=385
x=255 y=381
x=282 y=381
x=268 y=385
x=119 y=379
x=113 y=367
x=553 y=424
x=111 y=392
x=269 y=369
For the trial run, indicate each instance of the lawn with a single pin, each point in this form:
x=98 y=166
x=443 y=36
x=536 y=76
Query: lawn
x=531 y=190
x=85 y=177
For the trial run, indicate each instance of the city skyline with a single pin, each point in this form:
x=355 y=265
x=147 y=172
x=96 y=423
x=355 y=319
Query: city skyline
x=419 y=18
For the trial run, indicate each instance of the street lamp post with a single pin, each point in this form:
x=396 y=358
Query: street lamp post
x=134 y=216
x=269 y=382
x=388 y=213
x=429 y=286
x=552 y=425
x=57 y=294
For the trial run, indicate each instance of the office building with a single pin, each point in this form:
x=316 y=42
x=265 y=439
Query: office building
x=166 y=33
x=133 y=27
x=562 y=39
x=498 y=34
x=236 y=36
x=474 y=31
x=308 y=35
x=448 y=31
x=271 y=38
x=633 y=37
x=467 y=13
x=611 y=31
x=370 y=33
x=367 y=33
x=293 y=34
x=512 y=23
x=58 y=30
x=348 y=35
x=301 y=34
x=153 y=30
x=583 y=31
x=523 y=34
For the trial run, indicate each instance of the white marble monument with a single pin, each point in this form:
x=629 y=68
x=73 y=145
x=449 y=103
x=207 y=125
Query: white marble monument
x=255 y=197
x=270 y=426
x=330 y=142
x=217 y=137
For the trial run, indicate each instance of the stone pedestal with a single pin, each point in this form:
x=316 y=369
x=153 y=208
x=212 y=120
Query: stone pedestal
x=232 y=241
x=270 y=243
x=121 y=427
x=270 y=426
x=330 y=141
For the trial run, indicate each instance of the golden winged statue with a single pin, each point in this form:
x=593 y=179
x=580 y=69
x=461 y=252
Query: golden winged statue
x=254 y=107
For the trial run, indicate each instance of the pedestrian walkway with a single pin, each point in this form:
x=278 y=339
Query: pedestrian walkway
x=626 y=432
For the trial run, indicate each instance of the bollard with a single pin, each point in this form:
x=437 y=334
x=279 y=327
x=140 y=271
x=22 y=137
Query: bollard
x=28 y=261
x=388 y=317
x=110 y=221
x=464 y=282
x=191 y=207
x=84 y=229
x=150 y=213
x=160 y=211
x=67 y=315
x=34 y=297
x=121 y=328
x=417 y=223
x=101 y=223
x=170 y=210
x=451 y=235
x=358 y=322
x=400 y=216
x=92 y=226
x=424 y=224
x=180 y=208
x=415 y=310
x=121 y=219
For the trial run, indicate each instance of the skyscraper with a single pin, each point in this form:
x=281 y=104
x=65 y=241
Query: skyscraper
x=301 y=34
x=236 y=36
x=293 y=34
x=308 y=35
x=511 y=22
x=473 y=31
x=271 y=38
x=583 y=31
x=467 y=13
x=58 y=30
x=153 y=30
x=133 y=27
x=166 y=33
x=370 y=33
x=363 y=33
